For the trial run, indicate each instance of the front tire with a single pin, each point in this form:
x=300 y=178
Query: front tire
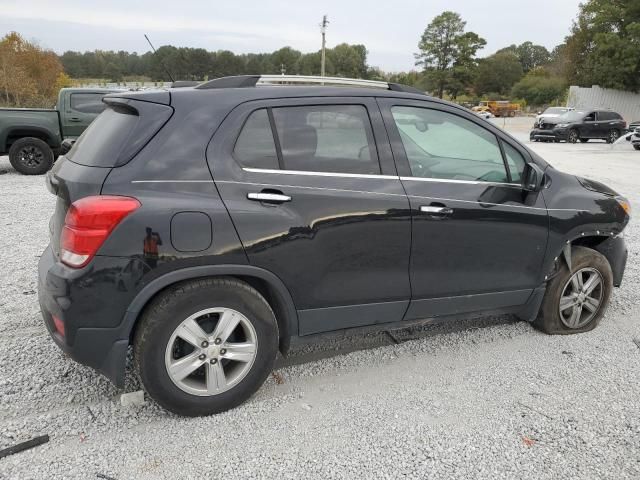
x=205 y=346
x=574 y=136
x=576 y=300
x=31 y=156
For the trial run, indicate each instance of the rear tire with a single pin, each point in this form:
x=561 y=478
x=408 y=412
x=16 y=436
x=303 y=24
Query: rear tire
x=613 y=136
x=217 y=379
x=31 y=156
x=569 y=287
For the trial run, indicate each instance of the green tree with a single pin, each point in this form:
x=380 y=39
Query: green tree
x=530 y=56
x=604 y=45
x=539 y=88
x=447 y=53
x=498 y=73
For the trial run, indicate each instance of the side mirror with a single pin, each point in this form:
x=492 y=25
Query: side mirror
x=533 y=178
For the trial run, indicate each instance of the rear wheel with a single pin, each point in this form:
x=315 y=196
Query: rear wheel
x=613 y=135
x=574 y=136
x=31 y=156
x=206 y=346
x=576 y=299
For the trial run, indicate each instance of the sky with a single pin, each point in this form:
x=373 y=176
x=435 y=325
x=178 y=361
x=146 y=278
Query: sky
x=389 y=29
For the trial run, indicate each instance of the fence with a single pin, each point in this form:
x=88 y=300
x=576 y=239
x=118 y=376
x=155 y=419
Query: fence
x=626 y=104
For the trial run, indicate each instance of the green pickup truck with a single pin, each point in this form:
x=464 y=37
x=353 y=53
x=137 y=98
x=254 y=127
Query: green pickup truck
x=33 y=137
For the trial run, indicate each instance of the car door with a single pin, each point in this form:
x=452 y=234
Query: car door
x=80 y=109
x=590 y=127
x=313 y=192
x=479 y=238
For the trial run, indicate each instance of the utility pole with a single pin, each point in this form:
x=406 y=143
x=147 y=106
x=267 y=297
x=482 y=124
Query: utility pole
x=283 y=70
x=323 y=29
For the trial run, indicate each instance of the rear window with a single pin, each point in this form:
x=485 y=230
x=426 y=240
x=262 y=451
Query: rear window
x=119 y=133
x=87 y=102
x=101 y=142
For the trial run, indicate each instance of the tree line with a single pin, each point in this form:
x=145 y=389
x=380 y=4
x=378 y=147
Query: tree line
x=603 y=48
x=199 y=64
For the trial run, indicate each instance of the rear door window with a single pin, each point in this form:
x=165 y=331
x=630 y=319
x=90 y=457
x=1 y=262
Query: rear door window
x=327 y=138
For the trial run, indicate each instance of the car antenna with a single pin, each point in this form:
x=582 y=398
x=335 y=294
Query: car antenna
x=161 y=62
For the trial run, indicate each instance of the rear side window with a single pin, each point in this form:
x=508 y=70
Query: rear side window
x=119 y=133
x=327 y=138
x=255 y=146
x=87 y=102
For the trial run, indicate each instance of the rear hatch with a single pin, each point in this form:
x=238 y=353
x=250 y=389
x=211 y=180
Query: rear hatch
x=113 y=139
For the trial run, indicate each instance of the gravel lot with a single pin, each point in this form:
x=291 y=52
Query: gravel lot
x=491 y=398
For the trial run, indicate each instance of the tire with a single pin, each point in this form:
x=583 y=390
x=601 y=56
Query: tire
x=584 y=140
x=637 y=146
x=573 y=136
x=159 y=344
x=585 y=262
x=31 y=156
x=612 y=136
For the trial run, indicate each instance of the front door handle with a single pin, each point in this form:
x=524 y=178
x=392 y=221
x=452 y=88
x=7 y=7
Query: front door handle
x=269 y=197
x=75 y=119
x=434 y=210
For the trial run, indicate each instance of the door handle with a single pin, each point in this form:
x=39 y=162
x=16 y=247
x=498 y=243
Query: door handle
x=75 y=119
x=269 y=197
x=439 y=211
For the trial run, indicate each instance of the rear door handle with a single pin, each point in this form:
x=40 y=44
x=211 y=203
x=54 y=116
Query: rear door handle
x=439 y=211
x=269 y=197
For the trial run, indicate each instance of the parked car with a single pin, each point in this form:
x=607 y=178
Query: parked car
x=486 y=114
x=33 y=137
x=580 y=125
x=635 y=125
x=551 y=113
x=264 y=213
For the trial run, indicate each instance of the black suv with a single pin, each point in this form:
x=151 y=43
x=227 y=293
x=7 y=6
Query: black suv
x=580 y=125
x=209 y=226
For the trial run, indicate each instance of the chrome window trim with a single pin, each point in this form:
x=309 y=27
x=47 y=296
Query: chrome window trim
x=468 y=182
x=500 y=204
x=171 y=181
x=318 y=174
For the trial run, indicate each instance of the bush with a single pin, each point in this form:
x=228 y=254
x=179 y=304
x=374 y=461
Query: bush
x=539 y=90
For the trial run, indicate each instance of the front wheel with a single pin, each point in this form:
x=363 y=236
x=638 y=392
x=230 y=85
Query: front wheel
x=206 y=346
x=573 y=137
x=576 y=299
x=31 y=156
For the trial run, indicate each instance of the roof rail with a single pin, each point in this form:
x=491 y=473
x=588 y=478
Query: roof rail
x=242 y=81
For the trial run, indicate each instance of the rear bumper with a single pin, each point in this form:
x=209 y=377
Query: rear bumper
x=86 y=337
x=551 y=134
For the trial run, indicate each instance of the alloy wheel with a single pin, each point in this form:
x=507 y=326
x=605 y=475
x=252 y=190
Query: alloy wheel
x=613 y=136
x=211 y=351
x=30 y=156
x=581 y=298
x=573 y=136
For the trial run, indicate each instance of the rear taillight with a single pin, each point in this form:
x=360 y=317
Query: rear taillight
x=88 y=223
x=58 y=324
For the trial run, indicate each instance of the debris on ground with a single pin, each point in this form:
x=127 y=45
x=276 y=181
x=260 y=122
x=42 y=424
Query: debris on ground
x=20 y=447
x=132 y=399
x=277 y=376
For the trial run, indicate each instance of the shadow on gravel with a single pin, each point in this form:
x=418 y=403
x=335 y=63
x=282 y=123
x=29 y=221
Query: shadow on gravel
x=346 y=341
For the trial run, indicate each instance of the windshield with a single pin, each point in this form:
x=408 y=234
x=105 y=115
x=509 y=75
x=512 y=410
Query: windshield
x=572 y=116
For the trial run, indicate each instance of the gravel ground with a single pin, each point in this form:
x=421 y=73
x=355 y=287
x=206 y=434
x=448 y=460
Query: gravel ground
x=489 y=398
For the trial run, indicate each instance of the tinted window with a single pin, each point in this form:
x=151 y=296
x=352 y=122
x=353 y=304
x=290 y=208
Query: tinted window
x=335 y=138
x=255 y=146
x=608 y=116
x=87 y=102
x=515 y=162
x=446 y=146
